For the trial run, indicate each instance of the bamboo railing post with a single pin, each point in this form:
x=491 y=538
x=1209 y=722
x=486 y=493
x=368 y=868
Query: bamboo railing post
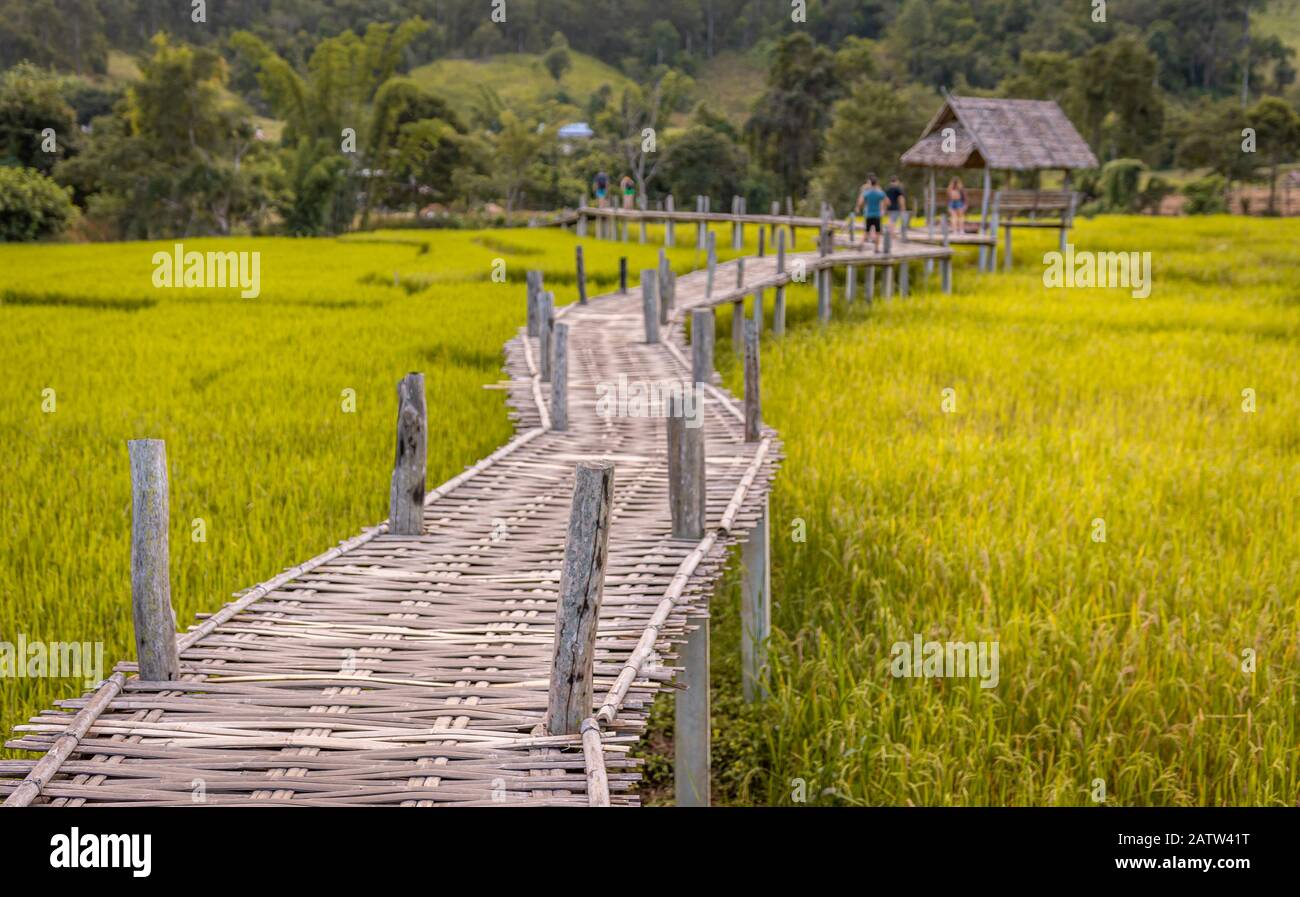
x=545 y=333
x=622 y=274
x=738 y=326
x=151 y=590
x=686 y=491
x=757 y=311
x=753 y=401
x=534 y=281
x=778 y=310
x=650 y=304
x=824 y=296
x=667 y=288
x=735 y=223
x=560 y=380
x=762 y=242
x=755 y=607
x=740 y=272
x=700 y=225
x=668 y=221
x=406 y=496
x=712 y=265
x=582 y=218
x=582 y=588
x=703 y=322
x=771 y=225
x=582 y=278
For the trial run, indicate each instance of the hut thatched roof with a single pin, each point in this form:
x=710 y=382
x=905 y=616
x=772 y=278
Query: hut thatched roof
x=1011 y=135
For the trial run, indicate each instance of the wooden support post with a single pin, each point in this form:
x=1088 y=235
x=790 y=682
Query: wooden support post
x=582 y=225
x=993 y=250
x=735 y=224
x=824 y=296
x=701 y=225
x=871 y=283
x=650 y=304
x=852 y=225
x=686 y=490
x=757 y=311
x=582 y=589
x=622 y=274
x=151 y=589
x=740 y=272
x=889 y=281
x=904 y=269
x=850 y=283
x=534 y=281
x=692 y=751
x=778 y=311
x=545 y=333
x=712 y=262
x=1064 y=237
x=406 y=496
x=560 y=380
x=666 y=297
x=1006 y=247
x=762 y=242
x=753 y=401
x=738 y=326
x=582 y=278
x=756 y=607
x=771 y=225
x=703 y=322
x=930 y=205
x=668 y=222
x=789 y=212
x=946 y=273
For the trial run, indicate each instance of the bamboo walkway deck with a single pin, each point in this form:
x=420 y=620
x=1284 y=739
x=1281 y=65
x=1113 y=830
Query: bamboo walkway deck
x=413 y=670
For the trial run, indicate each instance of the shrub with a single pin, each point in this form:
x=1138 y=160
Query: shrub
x=32 y=206
x=1205 y=195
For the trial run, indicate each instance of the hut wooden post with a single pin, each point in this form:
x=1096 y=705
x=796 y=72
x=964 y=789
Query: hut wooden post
x=406 y=496
x=993 y=250
x=582 y=589
x=703 y=322
x=984 y=218
x=1006 y=247
x=534 y=281
x=650 y=305
x=668 y=221
x=778 y=311
x=560 y=380
x=151 y=590
x=753 y=398
x=756 y=607
x=582 y=277
x=712 y=265
x=545 y=333
x=930 y=205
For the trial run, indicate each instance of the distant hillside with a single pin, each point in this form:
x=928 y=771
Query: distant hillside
x=519 y=79
x=730 y=83
x=1281 y=19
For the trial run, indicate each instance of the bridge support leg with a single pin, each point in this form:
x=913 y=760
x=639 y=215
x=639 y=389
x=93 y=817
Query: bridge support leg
x=755 y=608
x=778 y=313
x=946 y=268
x=824 y=282
x=691 y=744
x=904 y=276
x=850 y=284
x=151 y=588
x=889 y=281
x=871 y=283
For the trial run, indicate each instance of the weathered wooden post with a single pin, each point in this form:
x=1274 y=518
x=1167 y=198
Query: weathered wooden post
x=650 y=304
x=887 y=243
x=703 y=323
x=993 y=250
x=735 y=222
x=668 y=221
x=701 y=226
x=582 y=218
x=756 y=607
x=582 y=278
x=903 y=275
x=762 y=242
x=789 y=212
x=824 y=296
x=771 y=225
x=534 y=281
x=871 y=283
x=889 y=281
x=758 y=310
x=778 y=310
x=852 y=231
x=740 y=272
x=666 y=288
x=151 y=589
x=622 y=274
x=753 y=403
x=930 y=207
x=582 y=589
x=712 y=265
x=560 y=380
x=738 y=326
x=946 y=274
x=641 y=218
x=687 y=495
x=406 y=496
x=545 y=333
x=944 y=231
x=850 y=283
x=1006 y=247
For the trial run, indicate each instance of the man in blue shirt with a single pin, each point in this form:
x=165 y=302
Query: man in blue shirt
x=872 y=198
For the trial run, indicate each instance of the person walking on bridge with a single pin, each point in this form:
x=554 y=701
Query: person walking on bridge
x=600 y=186
x=897 y=204
x=628 y=190
x=870 y=201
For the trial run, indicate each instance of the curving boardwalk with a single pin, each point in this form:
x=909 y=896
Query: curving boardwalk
x=413 y=670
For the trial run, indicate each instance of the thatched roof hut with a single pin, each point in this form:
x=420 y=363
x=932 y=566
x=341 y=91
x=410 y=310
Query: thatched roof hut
x=1006 y=135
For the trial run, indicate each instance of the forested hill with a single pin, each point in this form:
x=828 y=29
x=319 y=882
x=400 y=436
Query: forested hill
x=1204 y=45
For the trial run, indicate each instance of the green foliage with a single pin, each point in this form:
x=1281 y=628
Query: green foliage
x=1119 y=185
x=32 y=207
x=31 y=101
x=703 y=161
x=1205 y=196
x=557 y=59
x=1277 y=135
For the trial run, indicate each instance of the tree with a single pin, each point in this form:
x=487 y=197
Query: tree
x=557 y=59
x=1116 y=99
x=31 y=101
x=786 y=127
x=635 y=123
x=704 y=161
x=518 y=146
x=32 y=206
x=1277 y=137
x=871 y=128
